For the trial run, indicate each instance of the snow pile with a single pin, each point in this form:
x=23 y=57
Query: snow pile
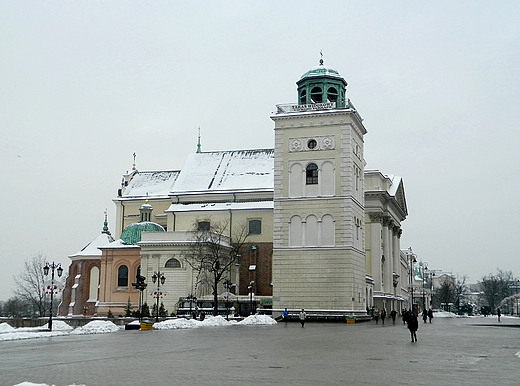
x=58 y=325
x=216 y=321
x=444 y=314
x=174 y=324
x=212 y=321
x=4 y=327
x=257 y=320
x=96 y=327
x=38 y=384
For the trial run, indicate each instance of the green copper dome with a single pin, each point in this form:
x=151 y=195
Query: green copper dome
x=132 y=233
x=322 y=86
x=321 y=70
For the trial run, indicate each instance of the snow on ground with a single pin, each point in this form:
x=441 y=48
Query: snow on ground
x=95 y=327
x=38 y=384
x=4 y=327
x=257 y=319
x=60 y=328
x=212 y=321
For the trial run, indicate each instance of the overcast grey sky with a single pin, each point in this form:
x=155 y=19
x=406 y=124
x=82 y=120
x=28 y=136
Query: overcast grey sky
x=85 y=84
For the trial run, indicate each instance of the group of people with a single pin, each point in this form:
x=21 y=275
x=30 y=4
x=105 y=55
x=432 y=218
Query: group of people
x=376 y=314
x=410 y=318
x=301 y=316
x=427 y=314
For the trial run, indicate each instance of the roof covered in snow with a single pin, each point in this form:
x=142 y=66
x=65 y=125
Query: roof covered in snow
x=227 y=170
x=91 y=249
x=152 y=183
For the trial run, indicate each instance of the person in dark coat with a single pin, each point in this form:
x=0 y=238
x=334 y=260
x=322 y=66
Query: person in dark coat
x=498 y=313
x=393 y=314
x=376 y=315
x=424 y=315
x=430 y=314
x=413 y=325
x=383 y=315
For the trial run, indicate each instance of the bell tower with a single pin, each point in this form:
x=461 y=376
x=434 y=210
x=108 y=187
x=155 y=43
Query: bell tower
x=318 y=243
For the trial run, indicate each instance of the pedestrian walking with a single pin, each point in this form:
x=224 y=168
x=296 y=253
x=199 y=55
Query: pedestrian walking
x=499 y=313
x=393 y=314
x=302 y=316
x=285 y=315
x=413 y=325
x=376 y=315
x=424 y=315
x=383 y=315
x=430 y=314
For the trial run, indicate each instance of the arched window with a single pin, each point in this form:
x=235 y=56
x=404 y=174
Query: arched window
x=311 y=174
x=94 y=284
x=203 y=226
x=295 y=232
x=303 y=97
x=327 y=230
x=122 y=276
x=332 y=94
x=311 y=231
x=317 y=95
x=172 y=263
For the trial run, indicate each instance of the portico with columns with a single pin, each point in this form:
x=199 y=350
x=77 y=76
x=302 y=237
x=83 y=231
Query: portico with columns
x=385 y=208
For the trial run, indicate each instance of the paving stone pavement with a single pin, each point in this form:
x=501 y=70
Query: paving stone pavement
x=461 y=351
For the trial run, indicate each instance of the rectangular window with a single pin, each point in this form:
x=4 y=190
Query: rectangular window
x=203 y=226
x=255 y=227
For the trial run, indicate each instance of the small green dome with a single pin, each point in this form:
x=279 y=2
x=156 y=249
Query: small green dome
x=132 y=233
x=321 y=70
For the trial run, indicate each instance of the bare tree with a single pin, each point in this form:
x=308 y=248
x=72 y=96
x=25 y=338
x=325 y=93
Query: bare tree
x=495 y=287
x=212 y=253
x=446 y=293
x=30 y=284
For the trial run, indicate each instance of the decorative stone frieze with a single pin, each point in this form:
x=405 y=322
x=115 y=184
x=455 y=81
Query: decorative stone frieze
x=312 y=143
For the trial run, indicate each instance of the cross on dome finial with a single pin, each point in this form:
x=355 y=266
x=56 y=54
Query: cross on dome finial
x=105 y=224
x=133 y=166
x=321 y=60
x=198 y=143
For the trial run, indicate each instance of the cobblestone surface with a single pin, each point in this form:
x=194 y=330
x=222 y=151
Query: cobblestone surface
x=449 y=351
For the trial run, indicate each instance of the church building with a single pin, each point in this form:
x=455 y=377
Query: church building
x=323 y=233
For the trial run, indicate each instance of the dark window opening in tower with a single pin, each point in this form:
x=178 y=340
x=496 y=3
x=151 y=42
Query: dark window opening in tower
x=332 y=94
x=311 y=174
x=203 y=226
x=303 y=97
x=317 y=95
x=122 y=276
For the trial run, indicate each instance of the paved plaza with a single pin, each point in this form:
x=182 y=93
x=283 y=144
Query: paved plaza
x=461 y=351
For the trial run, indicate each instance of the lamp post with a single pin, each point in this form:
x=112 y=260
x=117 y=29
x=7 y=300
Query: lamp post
x=140 y=285
x=423 y=267
x=250 y=288
x=412 y=258
x=160 y=279
x=52 y=288
x=228 y=285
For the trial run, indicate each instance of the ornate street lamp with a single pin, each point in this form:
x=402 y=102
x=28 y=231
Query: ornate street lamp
x=52 y=288
x=412 y=258
x=423 y=267
x=141 y=286
x=160 y=279
x=228 y=285
x=192 y=298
